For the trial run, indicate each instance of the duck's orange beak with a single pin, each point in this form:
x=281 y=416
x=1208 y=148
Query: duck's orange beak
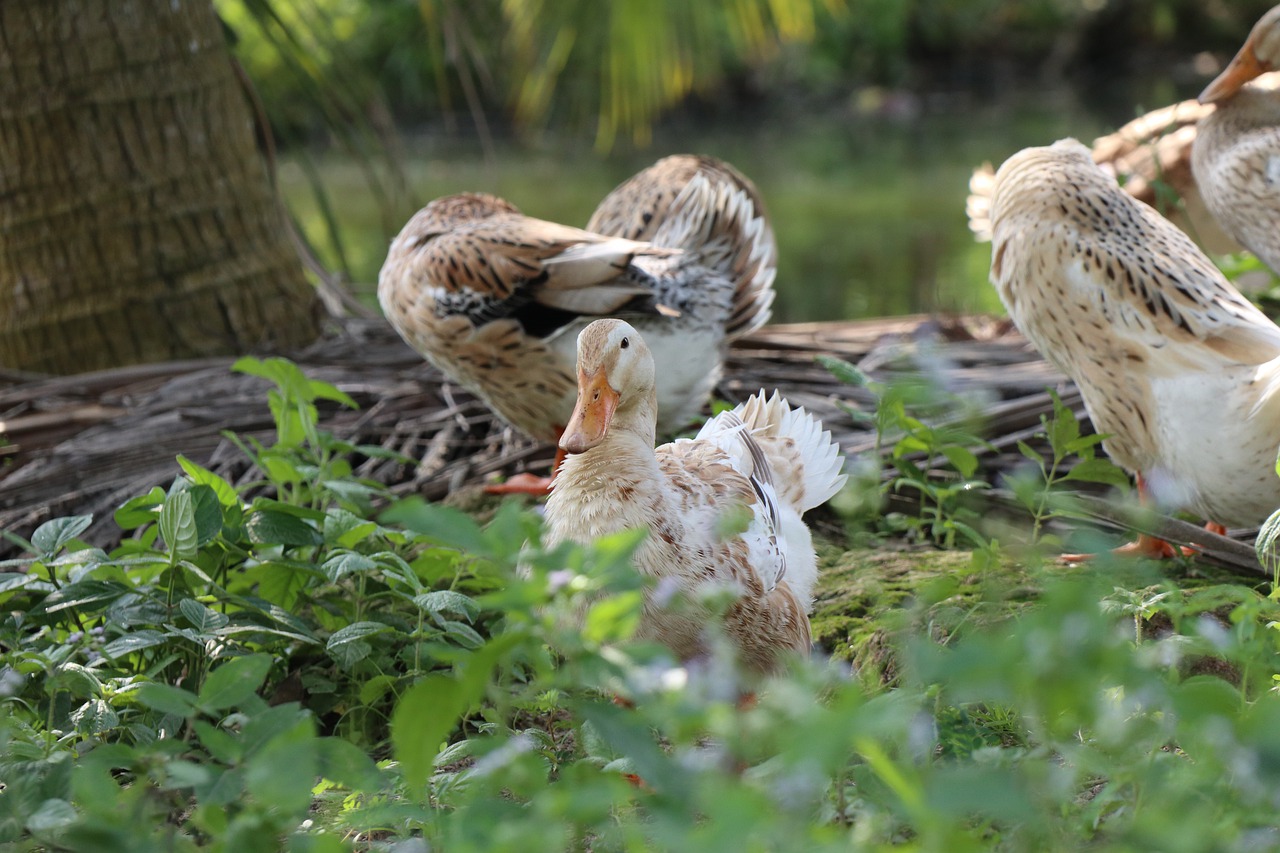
x=597 y=401
x=1239 y=71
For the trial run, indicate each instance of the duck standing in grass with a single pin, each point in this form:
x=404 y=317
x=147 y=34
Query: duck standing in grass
x=764 y=456
x=496 y=299
x=1236 y=156
x=1174 y=364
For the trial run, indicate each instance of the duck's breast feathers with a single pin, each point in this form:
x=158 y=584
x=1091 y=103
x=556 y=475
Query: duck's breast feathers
x=1067 y=240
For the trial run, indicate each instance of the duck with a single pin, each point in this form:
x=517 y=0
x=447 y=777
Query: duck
x=495 y=299
x=1176 y=367
x=763 y=459
x=1236 y=154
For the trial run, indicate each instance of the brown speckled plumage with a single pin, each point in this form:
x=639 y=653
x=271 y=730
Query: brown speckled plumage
x=1174 y=364
x=1236 y=157
x=495 y=298
x=764 y=457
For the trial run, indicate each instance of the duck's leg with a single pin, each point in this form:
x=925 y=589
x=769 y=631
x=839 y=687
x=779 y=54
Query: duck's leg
x=1146 y=545
x=529 y=484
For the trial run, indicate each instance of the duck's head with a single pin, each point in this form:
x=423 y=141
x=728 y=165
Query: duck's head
x=1260 y=54
x=615 y=371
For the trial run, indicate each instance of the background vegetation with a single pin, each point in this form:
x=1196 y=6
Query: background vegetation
x=300 y=663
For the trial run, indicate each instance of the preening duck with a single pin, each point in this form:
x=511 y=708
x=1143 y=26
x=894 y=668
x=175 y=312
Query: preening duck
x=764 y=456
x=1174 y=364
x=496 y=299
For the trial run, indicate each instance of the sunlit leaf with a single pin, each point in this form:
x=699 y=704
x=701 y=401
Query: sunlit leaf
x=50 y=537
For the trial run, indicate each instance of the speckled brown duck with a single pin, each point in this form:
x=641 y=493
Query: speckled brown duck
x=1176 y=367
x=496 y=299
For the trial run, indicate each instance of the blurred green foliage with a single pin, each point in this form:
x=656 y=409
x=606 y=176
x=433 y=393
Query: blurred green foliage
x=616 y=66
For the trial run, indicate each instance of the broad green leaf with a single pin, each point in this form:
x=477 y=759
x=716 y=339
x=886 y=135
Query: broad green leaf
x=429 y=710
x=178 y=525
x=282 y=773
x=206 y=510
x=235 y=681
x=77 y=679
x=441 y=524
x=1030 y=452
x=83 y=595
x=52 y=815
x=1099 y=470
x=356 y=631
x=52 y=536
x=202 y=619
x=141 y=510
x=95 y=717
x=221 y=745
x=443 y=601
x=167 y=699
x=962 y=459
x=343 y=762
x=345 y=529
x=346 y=563
x=272 y=527
x=615 y=618
x=202 y=476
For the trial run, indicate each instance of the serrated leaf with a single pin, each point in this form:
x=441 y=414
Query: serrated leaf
x=356 y=631
x=345 y=529
x=52 y=536
x=1063 y=429
x=95 y=716
x=202 y=619
x=178 y=525
x=615 y=618
x=272 y=527
x=443 y=601
x=346 y=563
x=234 y=681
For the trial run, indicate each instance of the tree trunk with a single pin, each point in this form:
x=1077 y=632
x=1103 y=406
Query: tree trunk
x=137 y=220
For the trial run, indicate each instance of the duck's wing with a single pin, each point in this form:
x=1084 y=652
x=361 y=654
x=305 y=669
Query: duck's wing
x=1068 y=242
x=715 y=216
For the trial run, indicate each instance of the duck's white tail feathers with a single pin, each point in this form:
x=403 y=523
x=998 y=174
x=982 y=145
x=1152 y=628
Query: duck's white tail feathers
x=714 y=214
x=800 y=461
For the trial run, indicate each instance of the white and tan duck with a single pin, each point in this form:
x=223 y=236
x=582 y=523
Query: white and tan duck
x=496 y=299
x=763 y=455
x=1236 y=156
x=1174 y=364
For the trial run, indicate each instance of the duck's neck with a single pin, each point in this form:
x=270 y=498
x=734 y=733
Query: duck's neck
x=614 y=485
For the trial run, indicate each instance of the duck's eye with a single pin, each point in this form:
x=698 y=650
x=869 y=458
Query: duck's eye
x=626 y=342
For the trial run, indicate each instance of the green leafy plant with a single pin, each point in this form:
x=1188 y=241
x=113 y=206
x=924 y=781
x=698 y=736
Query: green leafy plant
x=1038 y=493
x=935 y=459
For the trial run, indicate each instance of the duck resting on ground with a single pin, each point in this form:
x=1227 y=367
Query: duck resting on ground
x=496 y=299
x=763 y=455
x=1174 y=364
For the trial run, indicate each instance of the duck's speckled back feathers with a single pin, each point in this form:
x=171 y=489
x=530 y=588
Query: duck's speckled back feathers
x=711 y=212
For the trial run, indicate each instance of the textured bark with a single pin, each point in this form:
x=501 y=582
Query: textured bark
x=137 y=220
